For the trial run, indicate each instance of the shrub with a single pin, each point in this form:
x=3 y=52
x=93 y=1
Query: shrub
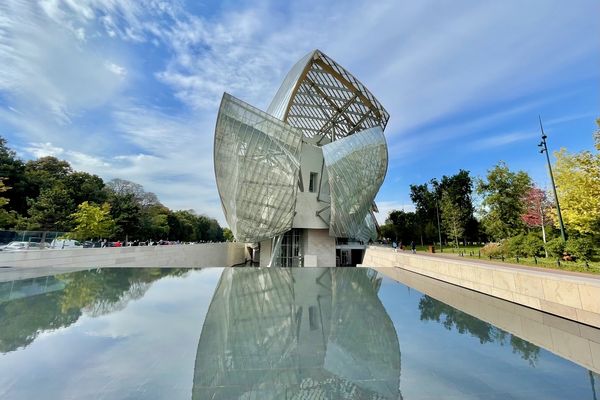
x=515 y=246
x=533 y=245
x=581 y=248
x=555 y=247
x=494 y=250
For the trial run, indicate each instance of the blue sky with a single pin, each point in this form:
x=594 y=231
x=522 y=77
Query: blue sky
x=130 y=89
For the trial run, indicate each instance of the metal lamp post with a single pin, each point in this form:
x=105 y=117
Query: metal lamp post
x=544 y=149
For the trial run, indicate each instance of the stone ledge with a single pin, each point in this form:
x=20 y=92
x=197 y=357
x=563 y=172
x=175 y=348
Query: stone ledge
x=197 y=255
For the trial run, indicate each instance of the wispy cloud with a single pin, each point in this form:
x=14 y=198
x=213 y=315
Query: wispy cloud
x=502 y=140
x=131 y=88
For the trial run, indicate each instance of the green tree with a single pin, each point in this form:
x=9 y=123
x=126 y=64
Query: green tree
x=13 y=171
x=405 y=226
x=3 y=188
x=181 y=225
x=46 y=172
x=155 y=222
x=459 y=189
x=85 y=187
x=126 y=212
x=228 y=235
x=52 y=209
x=453 y=217
x=425 y=210
x=92 y=221
x=503 y=204
x=577 y=179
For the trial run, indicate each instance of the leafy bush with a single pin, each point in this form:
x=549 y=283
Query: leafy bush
x=533 y=245
x=515 y=246
x=555 y=247
x=494 y=250
x=581 y=248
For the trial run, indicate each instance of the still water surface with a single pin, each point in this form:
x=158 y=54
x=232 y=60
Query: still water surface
x=251 y=333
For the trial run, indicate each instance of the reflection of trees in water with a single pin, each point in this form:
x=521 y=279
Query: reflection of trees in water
x=61 y=300
x=308 y=333
x=450 y=317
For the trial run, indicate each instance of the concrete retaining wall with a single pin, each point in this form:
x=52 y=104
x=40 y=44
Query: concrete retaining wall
x=569 y=295
x=193 y=255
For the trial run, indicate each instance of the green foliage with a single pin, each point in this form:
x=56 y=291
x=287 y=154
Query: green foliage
x=65 y=296
x=581 y=248
x=555 y=247
x=515 y=246
x=85 y=187
x=454 y=319
x=51 y=210
x=454 y=217
x=503 y=192
x=126 y=212
x=577 y=179
x=533 y=246
x=387 y=231
x=12 y=170
x=92 y=221
x=44 y=193
x=458 y=189
x=405 y=226
x=228 y=235
x=524 y=245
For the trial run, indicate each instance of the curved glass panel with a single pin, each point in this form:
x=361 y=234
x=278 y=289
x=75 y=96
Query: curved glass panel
x=356 y=166
x=324 y=101
x=280 y=102
x=368 y=229
x=304 y=333
x=257 y=161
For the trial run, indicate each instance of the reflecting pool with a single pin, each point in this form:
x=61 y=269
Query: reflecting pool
x=251 y=333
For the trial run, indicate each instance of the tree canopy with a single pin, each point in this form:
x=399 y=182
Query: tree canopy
x=47 y=194
x=503 y=204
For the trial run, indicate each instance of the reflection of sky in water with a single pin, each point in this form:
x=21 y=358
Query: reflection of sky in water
x=441 y=363
x=147 y=347
x=146 y=350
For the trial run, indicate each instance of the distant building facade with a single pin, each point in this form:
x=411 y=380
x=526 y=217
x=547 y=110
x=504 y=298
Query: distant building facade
x=301 y=178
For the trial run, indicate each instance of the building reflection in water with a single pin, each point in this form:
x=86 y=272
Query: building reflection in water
x=317 y=333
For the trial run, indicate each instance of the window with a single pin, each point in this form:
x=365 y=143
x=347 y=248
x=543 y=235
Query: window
x=312 y=185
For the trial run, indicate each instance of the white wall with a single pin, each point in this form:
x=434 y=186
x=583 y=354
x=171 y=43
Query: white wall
x=193 y=255
x=306 y=202
x=321 y=245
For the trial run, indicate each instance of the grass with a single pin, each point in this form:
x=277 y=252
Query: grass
x=473 y=252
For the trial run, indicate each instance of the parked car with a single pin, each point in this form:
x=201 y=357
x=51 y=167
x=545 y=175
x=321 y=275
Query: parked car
x=65 y=244
x=89 y=244
x=20 y=246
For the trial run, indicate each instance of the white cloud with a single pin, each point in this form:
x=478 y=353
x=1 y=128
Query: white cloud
x=115 y=69
x=502 y=140
x=74 y=75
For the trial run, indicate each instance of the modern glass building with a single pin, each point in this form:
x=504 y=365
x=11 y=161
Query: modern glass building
x=300 y=179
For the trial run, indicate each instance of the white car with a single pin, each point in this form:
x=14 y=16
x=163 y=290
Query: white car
x=65 y=244
x=19 y=246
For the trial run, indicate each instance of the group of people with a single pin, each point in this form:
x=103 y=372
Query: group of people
x=413 y=246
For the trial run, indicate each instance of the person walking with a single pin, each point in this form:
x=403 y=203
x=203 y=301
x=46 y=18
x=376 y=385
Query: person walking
x=413 y=247
x=395 y=246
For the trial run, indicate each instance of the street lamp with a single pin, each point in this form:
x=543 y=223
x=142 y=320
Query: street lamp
x=544 y=149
